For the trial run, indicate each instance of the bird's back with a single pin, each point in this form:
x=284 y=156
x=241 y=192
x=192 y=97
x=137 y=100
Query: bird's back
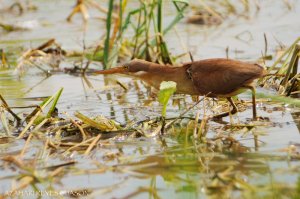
x=222 y=77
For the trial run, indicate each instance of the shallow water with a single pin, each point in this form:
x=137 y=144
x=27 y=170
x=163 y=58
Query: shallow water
x=171 y=167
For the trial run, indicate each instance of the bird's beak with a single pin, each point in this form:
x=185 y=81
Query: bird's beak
x=120 y=70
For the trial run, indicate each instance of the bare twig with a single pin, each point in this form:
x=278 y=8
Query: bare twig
x=5 y=105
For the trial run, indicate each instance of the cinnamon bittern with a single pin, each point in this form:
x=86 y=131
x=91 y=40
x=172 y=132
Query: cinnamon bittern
x=211 y=77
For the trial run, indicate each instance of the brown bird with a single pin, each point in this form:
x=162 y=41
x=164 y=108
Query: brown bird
x=212 y=77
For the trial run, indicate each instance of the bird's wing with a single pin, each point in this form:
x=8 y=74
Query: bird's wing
x=222 y=76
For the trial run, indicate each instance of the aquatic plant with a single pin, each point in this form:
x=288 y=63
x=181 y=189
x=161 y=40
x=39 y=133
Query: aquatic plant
x=147 y=24
x=283 y=73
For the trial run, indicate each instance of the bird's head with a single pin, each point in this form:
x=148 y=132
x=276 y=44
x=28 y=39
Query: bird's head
x=136 y=67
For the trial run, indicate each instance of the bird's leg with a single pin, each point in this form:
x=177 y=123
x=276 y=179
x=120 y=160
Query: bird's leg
x=253 y=101
x=233 y=110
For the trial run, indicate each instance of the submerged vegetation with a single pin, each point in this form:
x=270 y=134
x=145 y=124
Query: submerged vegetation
x=225 y=173
x=58 y=148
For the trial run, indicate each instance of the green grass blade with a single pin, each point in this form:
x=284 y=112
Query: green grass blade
x=56 y=98
x=280 y=99
x=108 y=30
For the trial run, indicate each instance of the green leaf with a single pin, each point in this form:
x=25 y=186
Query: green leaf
x=108 y=30
x=166 y=90
x=42 y=105
x=56 y=98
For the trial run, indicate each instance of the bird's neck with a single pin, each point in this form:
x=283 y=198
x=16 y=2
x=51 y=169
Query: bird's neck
x=158 y=74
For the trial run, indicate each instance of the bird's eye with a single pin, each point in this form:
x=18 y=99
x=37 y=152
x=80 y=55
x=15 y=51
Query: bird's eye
x=125 y=66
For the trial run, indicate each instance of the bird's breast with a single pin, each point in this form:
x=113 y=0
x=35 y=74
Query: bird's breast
x=184 y=84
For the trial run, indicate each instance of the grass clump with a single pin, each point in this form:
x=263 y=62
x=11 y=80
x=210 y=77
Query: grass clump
x=146 y=22
x=283 y=74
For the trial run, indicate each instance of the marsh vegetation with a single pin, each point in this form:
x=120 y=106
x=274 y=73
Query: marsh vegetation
x=65 y=132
